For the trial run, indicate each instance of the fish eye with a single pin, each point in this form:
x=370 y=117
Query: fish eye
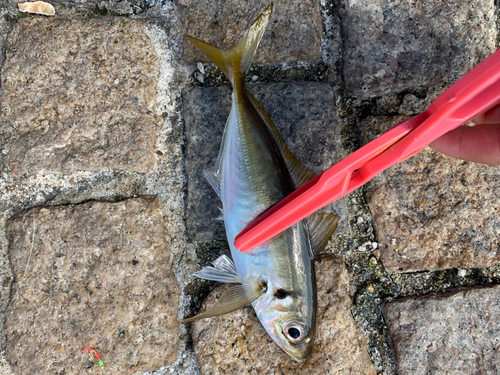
x=294 y=332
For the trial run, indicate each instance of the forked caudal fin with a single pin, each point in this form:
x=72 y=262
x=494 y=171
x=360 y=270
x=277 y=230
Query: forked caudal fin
x=236 y=61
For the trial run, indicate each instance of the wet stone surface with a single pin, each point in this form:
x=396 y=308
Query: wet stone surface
x=293 y=33
x=303 y=112
x=81 y=98
x=100 y=275
x=77 y=95
x=390 y=46
x=432 y=211
x=447 y=334
x=224 y=345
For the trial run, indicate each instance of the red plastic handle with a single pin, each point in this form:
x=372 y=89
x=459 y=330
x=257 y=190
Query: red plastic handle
x=327 y=187
x=475 y=93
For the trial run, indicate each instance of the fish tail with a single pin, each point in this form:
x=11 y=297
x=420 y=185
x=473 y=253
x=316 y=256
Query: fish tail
x=236 y=62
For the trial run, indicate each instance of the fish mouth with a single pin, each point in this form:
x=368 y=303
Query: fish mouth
x=300 y=350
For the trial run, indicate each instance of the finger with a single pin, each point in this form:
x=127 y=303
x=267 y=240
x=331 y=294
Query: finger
x=489 y=117
x=480 y=143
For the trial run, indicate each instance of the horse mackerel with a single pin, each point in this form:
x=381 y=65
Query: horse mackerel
x=254 y=170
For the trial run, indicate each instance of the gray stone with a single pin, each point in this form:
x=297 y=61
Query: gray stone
x=390 y=45
x=303 y=112
x=432 y=211
x=100 y=275
x=412 y=105
x=293 y=33
x=6 y=25
x=447 y=334
x=78 y=95
x=226 y=345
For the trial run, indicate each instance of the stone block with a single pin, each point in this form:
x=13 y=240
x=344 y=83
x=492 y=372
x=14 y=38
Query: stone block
x=391 y=46
x=303 y=112
x=95 y=274
x=78 y=95
x=448 y=334
x=432 y=211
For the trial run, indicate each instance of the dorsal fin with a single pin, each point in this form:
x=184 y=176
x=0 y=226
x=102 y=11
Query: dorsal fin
x=321 y=227
x=299 y=172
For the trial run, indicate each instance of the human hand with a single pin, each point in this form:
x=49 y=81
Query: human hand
x=479 y=143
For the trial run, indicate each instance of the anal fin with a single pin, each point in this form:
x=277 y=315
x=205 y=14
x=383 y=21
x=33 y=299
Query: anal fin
x=213 y=178
x=221 y=216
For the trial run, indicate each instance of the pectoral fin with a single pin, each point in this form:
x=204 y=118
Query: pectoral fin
x=321 y=227
x=235 y=297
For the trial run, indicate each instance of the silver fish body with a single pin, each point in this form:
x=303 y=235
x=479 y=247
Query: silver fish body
x=255 y=170
x=254 y=177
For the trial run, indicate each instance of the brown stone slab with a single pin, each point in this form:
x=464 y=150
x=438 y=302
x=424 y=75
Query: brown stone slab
x=390 y=46
x=99 y=274
x=293 y=33
x=222 y=346
x=432 y=211
x=303 y=112
x=77 y=95
x=453 y=334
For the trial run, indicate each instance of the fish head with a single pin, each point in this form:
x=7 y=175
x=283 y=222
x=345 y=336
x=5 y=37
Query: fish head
x=289 y=317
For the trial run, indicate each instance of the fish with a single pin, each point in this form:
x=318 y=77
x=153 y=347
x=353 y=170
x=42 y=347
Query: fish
x=254 y=170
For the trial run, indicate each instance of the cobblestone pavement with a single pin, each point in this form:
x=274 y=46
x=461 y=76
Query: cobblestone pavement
x=106 y=122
